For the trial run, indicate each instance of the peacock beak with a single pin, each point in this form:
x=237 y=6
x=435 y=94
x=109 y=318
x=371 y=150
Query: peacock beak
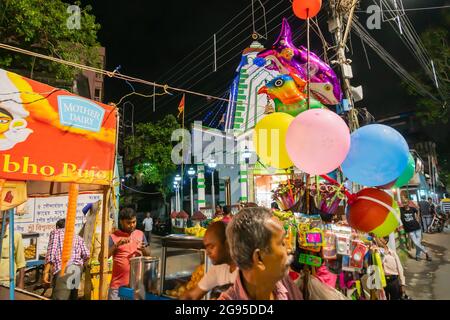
x=262 y=90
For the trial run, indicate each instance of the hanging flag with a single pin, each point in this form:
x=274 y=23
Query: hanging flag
x=181 y=106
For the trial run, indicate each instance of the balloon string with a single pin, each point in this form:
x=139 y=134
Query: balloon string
x=290 y=191
x=307 y=59
x=351 y=197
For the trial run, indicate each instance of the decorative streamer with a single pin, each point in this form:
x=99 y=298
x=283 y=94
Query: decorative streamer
x=70 y=227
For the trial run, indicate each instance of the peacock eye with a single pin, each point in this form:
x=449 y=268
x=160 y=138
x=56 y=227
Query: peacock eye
x=279 y=83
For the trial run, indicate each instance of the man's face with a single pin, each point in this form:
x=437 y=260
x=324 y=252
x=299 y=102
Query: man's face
x=128 y=225
x=215 y=249
x=278 y=260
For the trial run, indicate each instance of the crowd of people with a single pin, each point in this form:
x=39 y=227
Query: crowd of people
x=248 y=252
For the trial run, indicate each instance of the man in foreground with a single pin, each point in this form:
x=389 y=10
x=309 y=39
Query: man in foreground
x=257 y=245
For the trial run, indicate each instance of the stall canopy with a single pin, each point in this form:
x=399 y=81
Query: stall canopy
x=49 y=134
x=52 y=137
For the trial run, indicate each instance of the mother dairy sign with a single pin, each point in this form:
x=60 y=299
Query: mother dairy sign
x=50 y=134
x=80 y=113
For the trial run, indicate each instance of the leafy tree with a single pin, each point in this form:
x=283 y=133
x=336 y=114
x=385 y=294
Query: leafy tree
x=41 y=26
x=435 y=41
x=149 y=151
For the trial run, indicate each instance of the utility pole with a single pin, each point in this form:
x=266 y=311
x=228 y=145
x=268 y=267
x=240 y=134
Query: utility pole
x=336 y=27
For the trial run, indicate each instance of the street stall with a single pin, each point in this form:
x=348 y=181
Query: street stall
x=54 y=142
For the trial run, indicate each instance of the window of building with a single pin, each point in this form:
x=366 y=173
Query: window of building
x=97 y=94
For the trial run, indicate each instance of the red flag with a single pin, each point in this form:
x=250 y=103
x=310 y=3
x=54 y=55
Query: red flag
x=181 y=106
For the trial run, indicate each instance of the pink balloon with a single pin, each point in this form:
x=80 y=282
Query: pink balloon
x=318 y=141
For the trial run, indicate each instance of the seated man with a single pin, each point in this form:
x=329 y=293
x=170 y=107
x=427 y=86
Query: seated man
x=257 y=245
x=223 y=271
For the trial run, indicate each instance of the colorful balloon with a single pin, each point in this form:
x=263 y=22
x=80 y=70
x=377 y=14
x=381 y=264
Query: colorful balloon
x=288 y=59
x=287 y=92
x=269 y=140
x=318 y=141
x=407 y=174
x=305 y=9
x=378 y=155
x=374 y=211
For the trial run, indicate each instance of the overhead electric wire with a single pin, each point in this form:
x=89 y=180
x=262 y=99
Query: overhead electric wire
x=206 y=41
x=390 y=61
x=299 y=34
x=222 y=56
x=413 y=42
x=415 y=9
x=175 y=75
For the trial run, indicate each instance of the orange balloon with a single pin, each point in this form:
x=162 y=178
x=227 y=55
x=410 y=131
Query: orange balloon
x=305 y=9
x=365 y=215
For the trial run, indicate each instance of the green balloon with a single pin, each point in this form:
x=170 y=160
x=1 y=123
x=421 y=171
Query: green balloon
x=407 y=174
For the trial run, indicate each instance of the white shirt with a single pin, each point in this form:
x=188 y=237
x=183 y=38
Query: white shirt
x=218 y=275
x=148 y=224
x=393 y=266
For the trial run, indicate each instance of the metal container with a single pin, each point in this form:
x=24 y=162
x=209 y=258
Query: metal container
x=144 y=276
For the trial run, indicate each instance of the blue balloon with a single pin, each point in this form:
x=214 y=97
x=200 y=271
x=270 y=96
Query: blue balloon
x=378 y=155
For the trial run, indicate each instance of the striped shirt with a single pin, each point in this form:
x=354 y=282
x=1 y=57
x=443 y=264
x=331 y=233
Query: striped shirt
x=80 y=254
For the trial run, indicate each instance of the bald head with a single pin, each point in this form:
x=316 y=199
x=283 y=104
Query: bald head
x=217 y=230
x=215 y=242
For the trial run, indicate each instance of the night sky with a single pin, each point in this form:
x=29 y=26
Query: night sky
x=148 y=39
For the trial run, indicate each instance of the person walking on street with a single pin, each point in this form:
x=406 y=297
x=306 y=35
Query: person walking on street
x=53 y=261
x=409 y=217
x=425 y=213
x=148 y=227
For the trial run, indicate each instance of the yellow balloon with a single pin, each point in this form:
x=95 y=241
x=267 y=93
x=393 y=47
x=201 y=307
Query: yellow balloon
x=390 y=223
x=269 y=139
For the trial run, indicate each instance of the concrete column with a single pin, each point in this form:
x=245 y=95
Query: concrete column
x=200 y=186
x=243 y=178
x=222 y=199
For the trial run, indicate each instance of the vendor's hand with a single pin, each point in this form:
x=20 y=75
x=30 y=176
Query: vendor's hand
x=144 y=250
x=402 y=290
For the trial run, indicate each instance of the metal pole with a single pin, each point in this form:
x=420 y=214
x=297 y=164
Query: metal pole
x=213 y=192
x=12 y=271
x=3 y=213
x=192 y=198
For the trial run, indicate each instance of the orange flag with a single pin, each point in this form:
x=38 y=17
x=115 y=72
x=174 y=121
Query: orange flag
x=181 y=106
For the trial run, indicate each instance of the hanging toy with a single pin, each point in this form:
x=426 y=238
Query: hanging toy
x=287 y=92
x=288 y=59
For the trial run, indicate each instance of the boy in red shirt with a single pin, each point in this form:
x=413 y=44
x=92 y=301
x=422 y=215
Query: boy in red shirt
x=124 y=244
